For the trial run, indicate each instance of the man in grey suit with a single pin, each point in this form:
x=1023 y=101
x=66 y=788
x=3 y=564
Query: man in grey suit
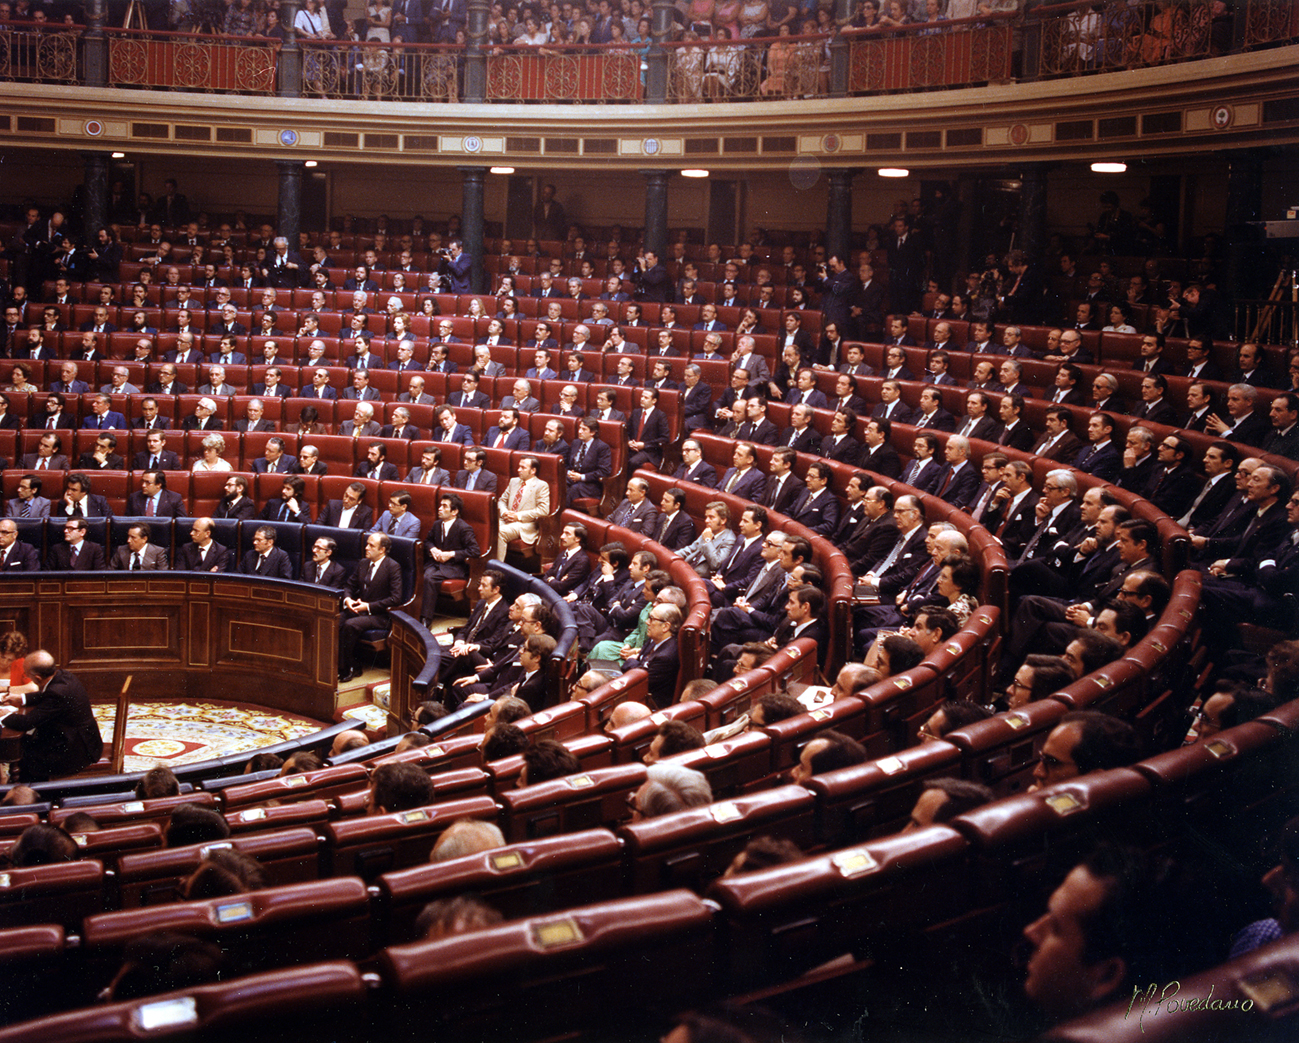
x=29 y=503
x=473 y=475
x=139 y=553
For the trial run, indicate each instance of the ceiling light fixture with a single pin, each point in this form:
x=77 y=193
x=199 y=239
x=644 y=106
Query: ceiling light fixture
x=694 y=173
x=894 y=172
x=1109 y=168
x=501 y=170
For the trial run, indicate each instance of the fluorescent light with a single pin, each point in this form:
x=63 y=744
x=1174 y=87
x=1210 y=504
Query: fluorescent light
x=119 y=155
x=1109 y=168
x=309 y=164
x=893 y=172
x=694 y=173
x=501 y=170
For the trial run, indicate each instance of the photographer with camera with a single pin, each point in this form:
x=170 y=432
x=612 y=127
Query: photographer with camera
x=455 y=267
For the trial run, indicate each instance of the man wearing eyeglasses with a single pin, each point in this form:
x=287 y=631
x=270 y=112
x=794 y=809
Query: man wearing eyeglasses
x=1084 y=741
x=659 y=655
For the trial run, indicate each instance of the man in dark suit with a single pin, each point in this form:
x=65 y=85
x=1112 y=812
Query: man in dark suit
x=76 y=552
x=1211 y=502
x=1102 y=457
x=16 y=556
x=469 y=395
x=376 y=465
x=675 y=528
x=926 y=470
x=79 y=501
x=103 y=457
x=506 y=433
x=1173 y=484
x=636 y=512
x=906 y=255
x=932 y=415
x=1016 y=503
x=877 y=455
x=154 y=499
x=449 y=546
x=693 y=466
x=890 y=406
x=202 y=553
x=1155 y=407
x=60 y=736
x=959 y=479
x=375 y=587
x=473 y=476
x=978 y=421
x=476 y=643
x=757 y=610
x=907 y=555
x=275 y=460
x=800 y=436
x=236 y=503
x=401 y=427
x=1015 y=433
x=816 y=509
x=348 y=512
x=868 y=303
x=322 y=570
x=647 y=431
x=1059 y=443
x=659 y=655
x=784 y=487
x=290 y=505
x=266 y=559
x=737 y=572
x=572 y=565
x=590 y=462
x=284 y=268
x=1138 y=460
x=743 y=479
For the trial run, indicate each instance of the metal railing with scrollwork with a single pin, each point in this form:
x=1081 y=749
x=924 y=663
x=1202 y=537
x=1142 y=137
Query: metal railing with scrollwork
x=190 y=62
x=1068 y=39
x=584 y=73
x=920 y=57
x=39 y=55
x=378 y=70
x=773 y=68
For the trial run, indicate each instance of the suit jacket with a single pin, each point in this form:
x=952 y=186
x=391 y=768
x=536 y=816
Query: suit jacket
x=311 y=391
x=111 y=419
x=696 y=406
x=925 y=479
x=191 y=423
x=739 y=569
x=912 y=558
x=462 y=543
x=1017 y=527
x=23 y=557
x=655 y=435
x=1286 y=445
x=870 y=541
x=387 y=471
x=285 y=464
x=478 y=400
x=901 y=413
x=244 y=510
x=1136 y=478
x=1214 y=503
x=187 y=558
x=807 y=441
x=1160 y=412
x=749 y=486
x=940 y=420
x=516 y=439
x=882 y=460
x=276 y=506
x=781 y=496
x=154 y=558
x=1065 y=451
x=408 y=431
x=534 y=504
x=334 y=575
x=96 y=507
x=60 y=735
x=701 y=474
x=642 y=518
x=764 y=433
x=487 y=628
x=568 y=571
x=958 y=487
x=362 y=518
x=170 y=505
x=1253 y=429
x=821 y=515
x=90 y=559
x=1105 y=462
x=406 y=527
x=1172 y=492
x=595 y=464
x=662 y=664
x=674 y=534
x=277 y=564
x=985 y=429
x=485 y=480
x=87 y=462
x=380 y=593
x=847 y=451
x=460 y=434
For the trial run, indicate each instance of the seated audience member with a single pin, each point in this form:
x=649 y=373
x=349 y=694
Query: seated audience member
x=827 y=752
x=412 y=741
x=669 y=788
x=505 y=740
x=1116 y=924
x=673 y=737
x=301 y=763
x=157 y=782
x=223 y=873
x=1036 y=679
x=1282 y=883
x=942 y=799
x=547 y=759
x=953 y=714
x=1230 y=705
x=346 y=741
x=42 y=845
x=1089 y=651
x=165 y=962
x=194 y=824
x=399 y=787
x=762 y=853
x=466 y=837
x=459 y=915
x=1084 y=741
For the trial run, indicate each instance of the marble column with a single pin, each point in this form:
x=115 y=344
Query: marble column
x=476 y=54
x=1032 y=211
x=96 y=194
x=656 y=75
x=656 y=210
x=838 y=214
x=288 y=213
x=471 y=221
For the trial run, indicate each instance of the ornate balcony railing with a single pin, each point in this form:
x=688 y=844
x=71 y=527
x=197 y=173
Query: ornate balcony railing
x=1061 y=40
x=39 y=55
x=374 y=70
x=587 y=73
x=191 y=62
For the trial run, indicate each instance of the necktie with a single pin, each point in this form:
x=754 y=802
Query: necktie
x=284 y=516
x=500 y=440
x=1032 y=544
x=261 y=562
x=1182 y=521
x=392 y=524
x=518 y=498
x=73 y=556
x=202 y=556
x=969 y=426
x=731 y=482
x=149 y=508
x=135 y=561
x=469 y=480
x=891 y=557
x=26 y=511
x=49 y=424
x=43 y=464
x=581 y=455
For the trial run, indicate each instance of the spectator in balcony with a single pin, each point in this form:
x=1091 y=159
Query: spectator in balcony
x=241 y=19
x=311 y=22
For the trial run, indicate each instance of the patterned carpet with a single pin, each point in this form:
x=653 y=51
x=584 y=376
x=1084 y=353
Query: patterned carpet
x=180 y=733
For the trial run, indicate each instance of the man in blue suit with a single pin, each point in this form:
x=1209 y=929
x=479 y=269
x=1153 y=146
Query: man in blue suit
x=102 y=417
x=743 y=479
x=458 y=264
x=735 y=575
x=507 y=434
x=1102 y=458
x=590 y=462
x=447 y=429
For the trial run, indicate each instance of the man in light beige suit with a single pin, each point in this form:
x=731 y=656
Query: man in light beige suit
x=525 y=499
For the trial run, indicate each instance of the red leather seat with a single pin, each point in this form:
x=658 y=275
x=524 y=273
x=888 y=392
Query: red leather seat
x=134 y=811
x=692 y=848
x=521 y=879
x=563 y=969
x=872 y=896
x=312 y=785
x=586 y=800
x=897 y=706
x=286 y=856
x=30 y=958
x=299 y=813
x=63 y=893
x=1002 y=751
x=380 y=843
x=788 y=736
x=732 y=765
x=876 y=798
x=631 y=741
